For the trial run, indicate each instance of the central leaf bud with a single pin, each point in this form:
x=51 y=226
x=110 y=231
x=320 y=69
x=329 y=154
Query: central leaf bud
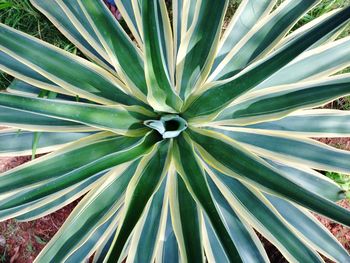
x=169 y=126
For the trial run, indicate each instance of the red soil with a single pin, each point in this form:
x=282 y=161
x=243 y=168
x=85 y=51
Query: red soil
x=21 y=242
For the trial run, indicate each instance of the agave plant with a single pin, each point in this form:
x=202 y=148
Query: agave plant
x=181 y=141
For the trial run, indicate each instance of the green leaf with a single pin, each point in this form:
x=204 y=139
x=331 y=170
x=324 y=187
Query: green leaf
x=83 y=159
x=315 y=63
x=248 y=14
x=168 y=249
x=248 y=245
x=262 y=38
x=145 y=238
x=72 y=73
x=14 y=143
x=331 y=36
x=125 y=56
x=177 y=6
x=311 y=229
x=131 y=14
x=21 y=71
x=19 y=87
x=118 y=119
x=186 y=221
x=213 y=248
x=145 y=182
x=309 y=123
x=297 y=150
x=159 y=65
x=102 y=251
x=96 y=208
x=100 y=235
x=231 y=158
x=198 y=47
x=33 y=122
x=212 y=100
x=311 y=180
x=183 y=16
x=54 y=202
x=254 y=207
x=275 y=103
x=193 y=175
x=77 y=29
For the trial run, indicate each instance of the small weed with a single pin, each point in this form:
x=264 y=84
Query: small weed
x=3 y=257
x=30 y=247
x=342 y=179
x=39 y=240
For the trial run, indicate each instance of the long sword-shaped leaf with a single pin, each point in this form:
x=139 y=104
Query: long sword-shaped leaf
x=177 y=6
x=129 y=14
x=331 y=36
x=318 y=62
x=223 y=93
x=183 y=15
x=185 y=221
x=289 y=148
x=80 y=21
x=96 y=208
x=168 y=250
x=83 y=159
x=126 y=58
x=248 y=245
x=314 y=22
x=21 y=71
x=309 y=123
x=33 y=122
x=213 y=249
x=229 y=157
x=54 y=202
x=307 y=225
x=143 y=185
x=189 y=13
x=262 y=38
x=198 y=47
x=117 y=119
x=22 y=88
x=102 y=251
x=33 y=196
x=87 y=249
x=56 y=14
x=313 y=181
x=254 y=207
x=158 y=47
x=17 y=143
x=144 y=241
x=75 y=74
x=275 y=103
x=248 y=14
x=194 y=177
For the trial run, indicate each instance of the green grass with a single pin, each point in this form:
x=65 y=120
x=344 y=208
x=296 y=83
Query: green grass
x=324 y=7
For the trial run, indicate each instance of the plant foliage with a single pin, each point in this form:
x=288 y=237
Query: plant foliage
x=182 y=141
